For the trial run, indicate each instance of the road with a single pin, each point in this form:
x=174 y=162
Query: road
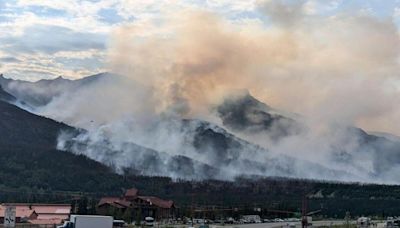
x=326 y=223
x=281 y=224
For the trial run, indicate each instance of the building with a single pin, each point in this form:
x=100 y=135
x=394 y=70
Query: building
x=131 y=194
x=38 y=213
x=155 y=207
x=135 y=206
x=113 y=205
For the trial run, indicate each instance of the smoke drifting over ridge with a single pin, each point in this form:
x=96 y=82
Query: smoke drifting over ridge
x=341 y=69
x=336 y=71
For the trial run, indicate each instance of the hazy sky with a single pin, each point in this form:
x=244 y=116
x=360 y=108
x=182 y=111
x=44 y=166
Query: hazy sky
x=49 y=38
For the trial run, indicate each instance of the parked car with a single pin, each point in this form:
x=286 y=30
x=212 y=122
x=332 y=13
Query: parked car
x=119 y=223
x=149 y=221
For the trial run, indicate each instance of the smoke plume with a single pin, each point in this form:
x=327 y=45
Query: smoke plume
x=333 y=72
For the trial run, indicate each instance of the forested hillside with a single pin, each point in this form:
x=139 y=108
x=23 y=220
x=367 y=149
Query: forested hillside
x=32 y=170
x=29 y=160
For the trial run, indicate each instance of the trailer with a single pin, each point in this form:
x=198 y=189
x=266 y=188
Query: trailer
x=88 y=221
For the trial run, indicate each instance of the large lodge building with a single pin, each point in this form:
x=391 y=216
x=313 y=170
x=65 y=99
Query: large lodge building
x=137 y=206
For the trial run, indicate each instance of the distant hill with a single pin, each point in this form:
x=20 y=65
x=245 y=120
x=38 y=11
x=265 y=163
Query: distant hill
x=32 y=170
x=242 y=112
x=132 y=159
x=41 y=92
x=4 y=96
x=222 y=149
x=21 y=128
x=29 y=159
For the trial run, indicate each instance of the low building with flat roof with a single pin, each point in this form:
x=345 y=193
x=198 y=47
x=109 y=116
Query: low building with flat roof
x=38 y=213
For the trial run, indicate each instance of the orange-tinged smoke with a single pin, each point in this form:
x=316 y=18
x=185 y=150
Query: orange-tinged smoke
x=334 y=69
x=199 y=61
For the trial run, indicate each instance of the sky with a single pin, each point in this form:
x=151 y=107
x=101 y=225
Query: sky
x=44 y=39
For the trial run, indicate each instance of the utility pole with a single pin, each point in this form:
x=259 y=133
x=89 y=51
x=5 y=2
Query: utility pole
x=192 y=209
x=347 y=217
x=304 y=221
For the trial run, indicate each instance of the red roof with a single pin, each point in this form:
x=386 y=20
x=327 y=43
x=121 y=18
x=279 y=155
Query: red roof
x=133 y=192
x=20 y=212
x=39 y=211
x=46 y=221
x=157 y=201
x=52 y=209
x=128 y=200
x=114 y=201
x=52 y=216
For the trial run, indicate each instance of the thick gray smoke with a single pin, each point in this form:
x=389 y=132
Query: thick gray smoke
x=174 y=108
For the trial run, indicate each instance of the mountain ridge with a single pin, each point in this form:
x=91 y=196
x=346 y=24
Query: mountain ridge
x=245 y=114
x=36 y=173
x=41 y=92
